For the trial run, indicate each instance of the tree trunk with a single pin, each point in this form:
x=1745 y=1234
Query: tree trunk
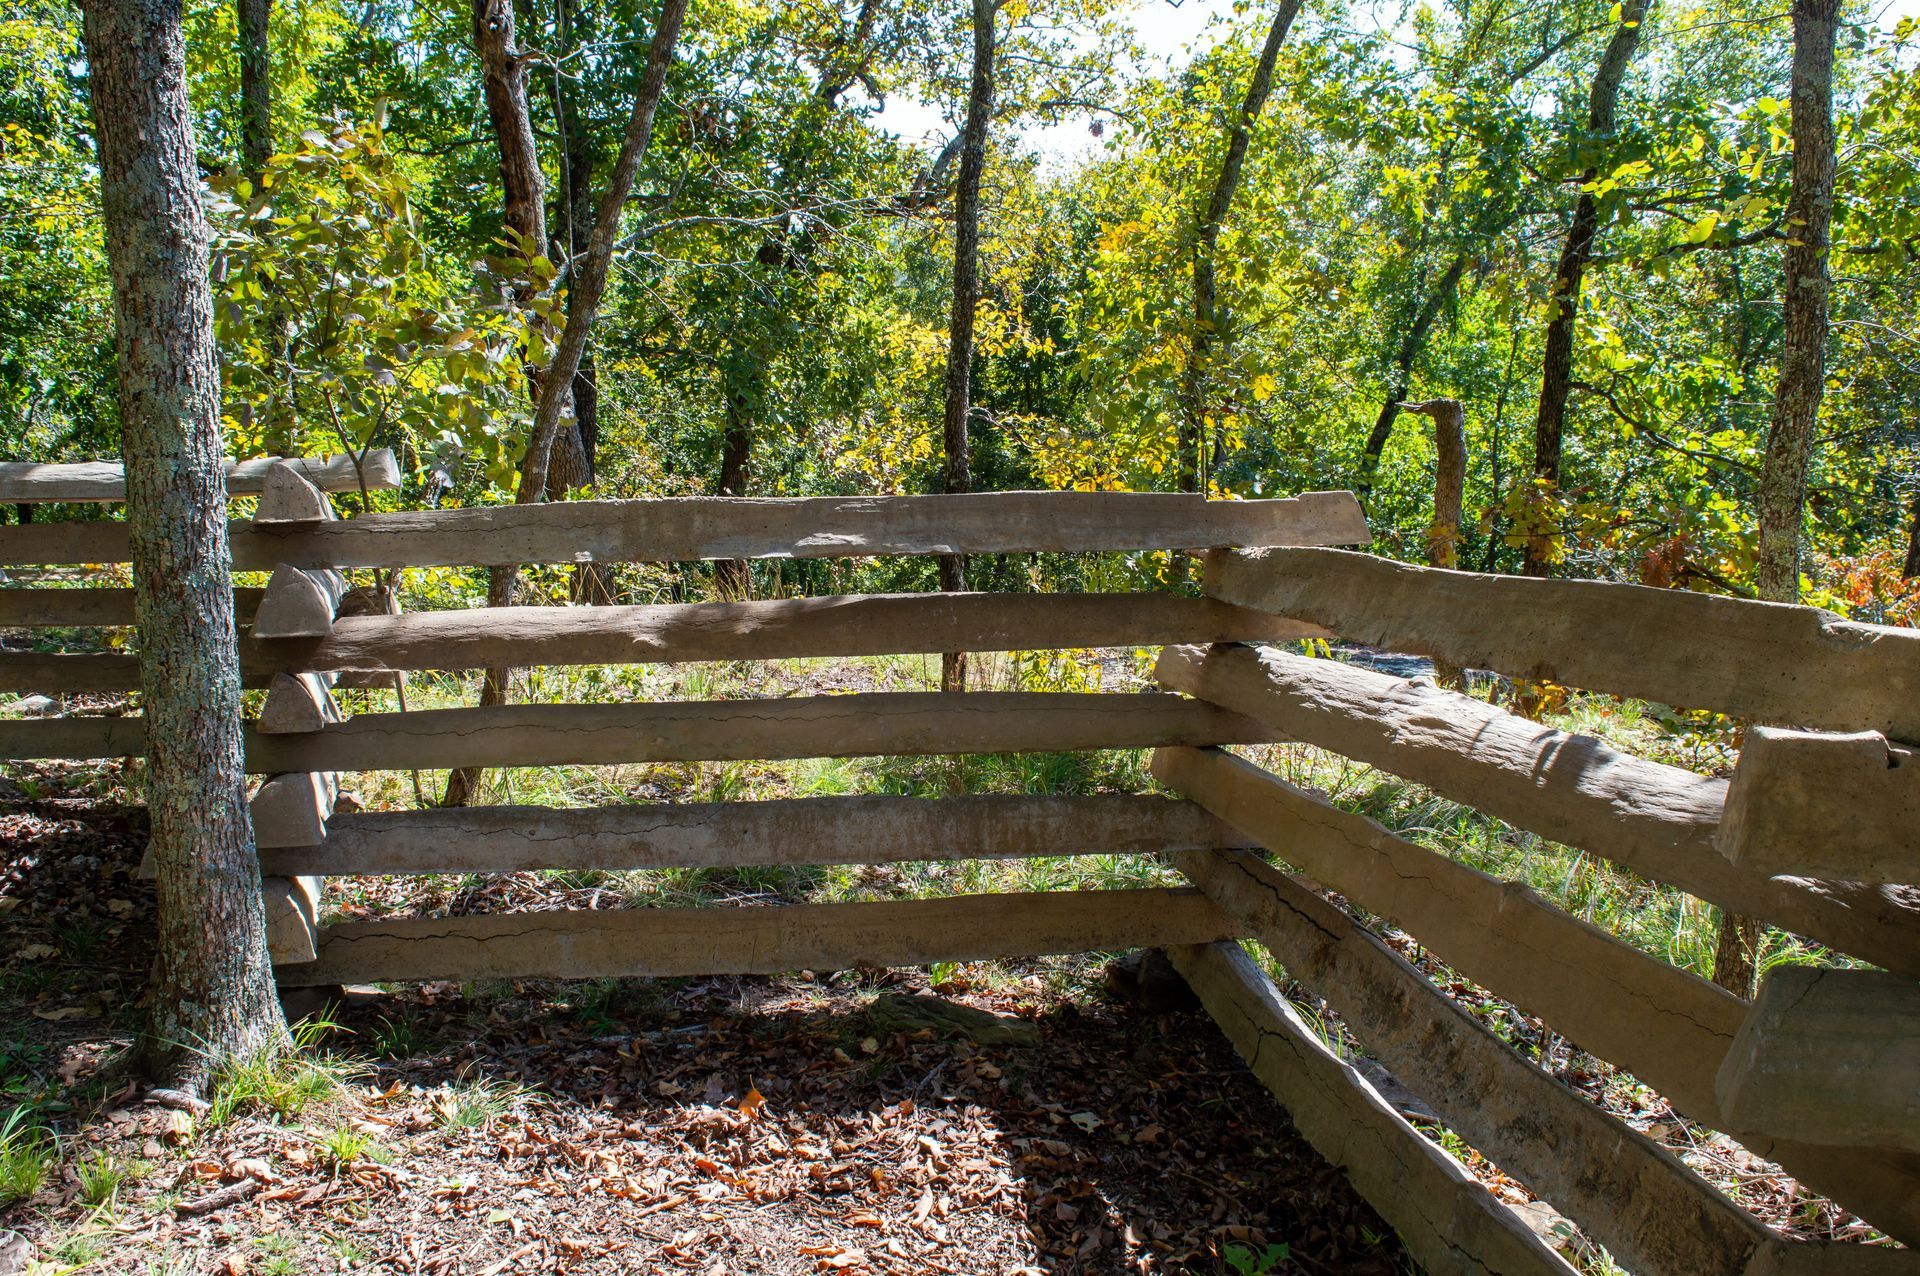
x=1206 y=313
x=1803 y=364
x=256 y=87
x=958 y=475
x=1449 y=498
x=1556 y=370
x=523 y=189
x=1911 y=569
x=731 y=576
x=1410 y=346
x=556 y=458
x=590 y=270
x=212 y=996
x=1796 y=396
x=592 y=582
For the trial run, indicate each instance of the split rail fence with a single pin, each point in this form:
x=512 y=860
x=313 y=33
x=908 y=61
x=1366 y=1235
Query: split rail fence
x=1818 y=831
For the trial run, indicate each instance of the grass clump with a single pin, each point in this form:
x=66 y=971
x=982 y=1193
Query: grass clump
x=27 y=1154
x=474 y=1103
x=286 y=1081
x=100 y=1178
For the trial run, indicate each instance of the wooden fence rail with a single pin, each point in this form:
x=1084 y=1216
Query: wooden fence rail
x=687 y=529
x=870 y=723
x=1772 y=662
x=89 y=608
x=24 y=482
x=673 y=633
x=731 y=940
x=1270 y=579
x=1668 y=1027
x=1659 y=821
x=824 y=830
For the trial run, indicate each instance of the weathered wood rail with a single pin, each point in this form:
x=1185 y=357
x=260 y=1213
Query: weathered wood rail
x=103 y=482
x=1817 y=1076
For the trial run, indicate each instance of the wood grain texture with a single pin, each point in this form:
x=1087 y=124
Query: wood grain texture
x=24 y=482
x=847 y=625
x=1653 y=1214
x=298 y=703
x=1771 y=662
x=678 y=529
x=50 y=674
x=292 y=809
x=28 y=608
x=1450 y=1223
x=825 y=830
x=293 y=912
x=876 y=723
x=1659 y=821
x=1825 y=804
x=1828 y=1056
x=1670 y=1028
x=288 y=497
x=300 y=603
x=673 y=942
x=880 y=723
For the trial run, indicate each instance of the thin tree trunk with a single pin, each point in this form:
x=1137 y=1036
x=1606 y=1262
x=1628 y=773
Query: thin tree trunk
x=1206 y=311
x=1449 y=499
x=1911 y=569
x=731 y=576
x=589 y=275
x=958 y=474
x=556 y=458
x=256 y=86
x=592 y=582
x=1410 y=347
x=1556 y=370
x=523 y=189
x=1803 y=370
x=212 y=996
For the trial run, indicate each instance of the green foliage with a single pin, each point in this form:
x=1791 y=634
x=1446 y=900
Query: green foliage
x=27 y=1155
x=337 y=327
x=284 y=1081
x=100 y=1178
x=474 y=1103
x=1245 y=1261
x=783 y=272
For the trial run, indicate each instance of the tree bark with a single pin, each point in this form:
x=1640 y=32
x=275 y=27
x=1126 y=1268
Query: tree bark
x=731 y=576
x=1911 y=569
x=1556 y=370
x=555 y=459
x=958 y=475
x=256 y=87
x=212 y=996
x=589 y=273
x=1803 y=364
x=592 y=582
x=1796 y=396
x=523 y=189
x=1410 y=347
x=1206 y=310
x=1449 y=499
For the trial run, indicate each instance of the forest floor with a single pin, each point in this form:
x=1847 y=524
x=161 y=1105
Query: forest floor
x=748 y=1125
x=709 y=1126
